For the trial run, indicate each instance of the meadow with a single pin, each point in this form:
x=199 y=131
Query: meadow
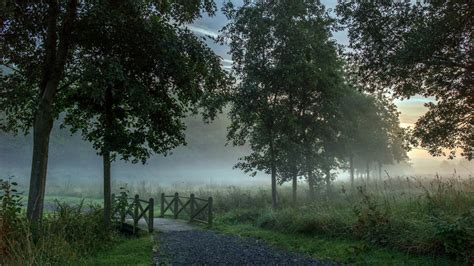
x=400 y=220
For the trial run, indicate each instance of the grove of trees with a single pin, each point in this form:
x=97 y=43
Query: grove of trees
x=125 y=73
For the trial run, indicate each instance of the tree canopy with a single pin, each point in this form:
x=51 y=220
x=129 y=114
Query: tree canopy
x=424 y=49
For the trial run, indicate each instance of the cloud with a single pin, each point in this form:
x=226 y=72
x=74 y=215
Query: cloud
x=203 y=31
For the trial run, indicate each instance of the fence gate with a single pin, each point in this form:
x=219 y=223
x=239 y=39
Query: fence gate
x=197 y=209
x=134 y=208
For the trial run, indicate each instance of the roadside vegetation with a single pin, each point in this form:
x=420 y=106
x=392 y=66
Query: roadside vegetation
x=413 y=220
x=423 y=217
x=70 y=233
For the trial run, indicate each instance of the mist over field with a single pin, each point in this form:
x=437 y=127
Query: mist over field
x=205 y=160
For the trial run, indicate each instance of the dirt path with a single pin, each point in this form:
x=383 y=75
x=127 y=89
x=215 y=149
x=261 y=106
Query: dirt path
x=182 y=244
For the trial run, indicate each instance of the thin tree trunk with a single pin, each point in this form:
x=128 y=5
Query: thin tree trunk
x=351 y=169
x=295 y=186
x=380 y=171
x=107 y=189
x=368 y=172
x=274 y=187
x=328 y=181
x=106 y=156
x=311 y=184
x=273 y=169
x=52 y=72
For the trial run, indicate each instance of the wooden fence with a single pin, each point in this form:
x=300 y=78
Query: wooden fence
x=135 y=208
x=195 y=207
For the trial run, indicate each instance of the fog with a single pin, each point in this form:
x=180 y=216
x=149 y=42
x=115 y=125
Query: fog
x=205 y=160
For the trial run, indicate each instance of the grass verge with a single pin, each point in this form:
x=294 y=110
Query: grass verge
x=331 y=249
x=128 y=251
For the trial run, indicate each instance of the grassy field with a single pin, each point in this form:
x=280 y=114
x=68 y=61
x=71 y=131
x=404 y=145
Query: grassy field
x=128 y=251
x=333 y=249
x=413 y=220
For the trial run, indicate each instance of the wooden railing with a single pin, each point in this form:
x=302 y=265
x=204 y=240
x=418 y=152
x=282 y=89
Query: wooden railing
x=134 y=209
x=196 y=208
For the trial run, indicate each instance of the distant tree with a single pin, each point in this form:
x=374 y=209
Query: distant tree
x=39 y=44
x=372 y=133
x=289 y=81
x=424 y=49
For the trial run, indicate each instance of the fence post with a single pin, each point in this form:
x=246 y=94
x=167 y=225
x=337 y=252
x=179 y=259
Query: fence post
x=151 y=207
x=162 y=205
x=209 y=211
x=191 y=202
x=176 y=206
x=135 y=214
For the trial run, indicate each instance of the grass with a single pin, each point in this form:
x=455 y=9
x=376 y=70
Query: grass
x=422 y=221
x=332 y=249
x=128 y=251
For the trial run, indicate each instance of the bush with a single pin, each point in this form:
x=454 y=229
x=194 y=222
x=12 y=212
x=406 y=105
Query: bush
x=64 y=235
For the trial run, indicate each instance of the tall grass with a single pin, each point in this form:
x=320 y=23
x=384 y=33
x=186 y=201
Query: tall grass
x=417 y=215
x=64 y=235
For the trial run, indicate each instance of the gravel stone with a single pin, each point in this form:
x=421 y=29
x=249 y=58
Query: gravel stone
x=202 y=247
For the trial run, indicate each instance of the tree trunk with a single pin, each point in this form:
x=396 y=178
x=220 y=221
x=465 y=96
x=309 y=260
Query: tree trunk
x=52 y=72
x=295 y=186
x=311 y=185
x=273 y=175
x=368 y=172
x=106 y=156
x=328 y=181
x=107 y=189
x=380 y=171
x=41 y=132
x=351 y=170
x=274 y=186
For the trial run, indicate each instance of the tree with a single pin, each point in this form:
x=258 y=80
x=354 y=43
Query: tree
x=36 y=43
x=135 y=83
x=289 y=81
x=424 y=49
x=39 y=45
x=372 y=132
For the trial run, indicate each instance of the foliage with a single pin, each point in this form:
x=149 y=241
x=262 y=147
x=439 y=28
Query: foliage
x=428 y=51
x=342 y=251
x=152 y=72
x=372 y=224
x=121 y=204
x=431 y=217
x=290 y=78
x=10 y=211
x=64 y=235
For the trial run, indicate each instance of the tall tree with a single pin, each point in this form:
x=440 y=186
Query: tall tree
x=39 y=45
x=289 y=79
x=152 y=73
x=424 y=49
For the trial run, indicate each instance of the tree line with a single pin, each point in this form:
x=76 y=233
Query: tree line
x=125 y=73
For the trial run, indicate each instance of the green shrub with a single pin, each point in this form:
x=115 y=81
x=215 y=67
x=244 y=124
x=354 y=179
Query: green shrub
x=456 y=236
x=64 y=235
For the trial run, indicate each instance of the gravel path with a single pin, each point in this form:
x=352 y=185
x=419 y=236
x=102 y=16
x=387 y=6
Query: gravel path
x=202 y=247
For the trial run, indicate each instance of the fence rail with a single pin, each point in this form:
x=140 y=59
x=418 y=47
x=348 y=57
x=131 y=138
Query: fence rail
x=134 y=208
x=193 y=206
